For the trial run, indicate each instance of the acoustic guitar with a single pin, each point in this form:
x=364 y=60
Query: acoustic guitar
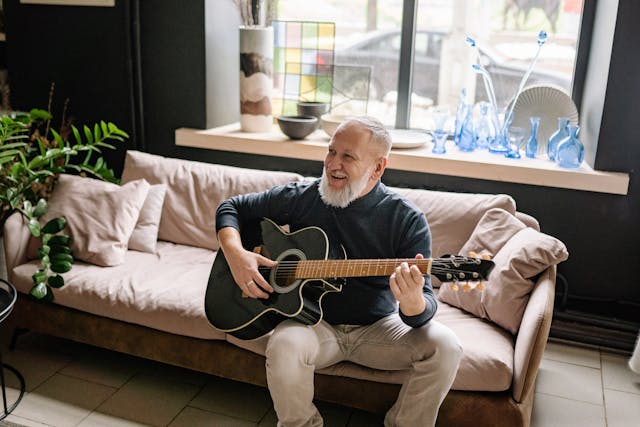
x=308 y=268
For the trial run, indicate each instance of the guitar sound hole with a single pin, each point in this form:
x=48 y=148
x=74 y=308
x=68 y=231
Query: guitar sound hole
x=285 y=271
x=282 y=277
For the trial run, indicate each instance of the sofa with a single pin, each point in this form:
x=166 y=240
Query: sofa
x=149 y=301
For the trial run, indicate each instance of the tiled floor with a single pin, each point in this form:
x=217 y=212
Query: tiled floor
x=69 y=384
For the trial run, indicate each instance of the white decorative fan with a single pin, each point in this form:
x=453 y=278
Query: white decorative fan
x=547 y=102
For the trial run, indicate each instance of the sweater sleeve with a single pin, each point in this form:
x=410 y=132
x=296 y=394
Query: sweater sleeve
x=417 y=239
x=275 y=204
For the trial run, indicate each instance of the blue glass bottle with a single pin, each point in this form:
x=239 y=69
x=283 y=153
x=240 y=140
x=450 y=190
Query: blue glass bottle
x=460 y=114
x=531 y=147
x=570 y=153
x=467 y=134
x=485 y=131
x=557 y=136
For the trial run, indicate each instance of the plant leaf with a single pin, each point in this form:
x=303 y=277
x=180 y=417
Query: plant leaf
x=39 y=276
x=41 y=208
x=60 y=267
x=56 y=281
x=34 y=227
x=55 y=225
x=39 y=291
x=87 y=134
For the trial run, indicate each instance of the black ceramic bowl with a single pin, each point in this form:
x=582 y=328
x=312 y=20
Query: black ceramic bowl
x=297 y=127
x=311 y=108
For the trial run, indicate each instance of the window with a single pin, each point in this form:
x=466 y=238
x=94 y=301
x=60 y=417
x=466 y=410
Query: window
x=368 y=34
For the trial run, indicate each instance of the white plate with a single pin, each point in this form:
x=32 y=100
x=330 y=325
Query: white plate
x=403 y=138
x=548 y=103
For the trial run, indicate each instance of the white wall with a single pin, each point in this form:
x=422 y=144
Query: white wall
x=222 y=62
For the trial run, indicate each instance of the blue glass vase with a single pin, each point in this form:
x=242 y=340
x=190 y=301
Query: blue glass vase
x=570 y=153
x=467 y=140
x=531 y=147
x=485 y=130
x=557 y=136
x=460 y=115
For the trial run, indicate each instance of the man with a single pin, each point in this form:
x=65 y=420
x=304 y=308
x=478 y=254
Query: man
x=380 y=322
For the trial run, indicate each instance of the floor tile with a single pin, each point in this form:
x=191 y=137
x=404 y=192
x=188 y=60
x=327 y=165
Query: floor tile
x=554 y=411
x=149 y=400
x=36 y=366
x=334 y=415
x=365 y=419
x=622 y=409
x=616 y=374
x=24 y=421
x=98 y=419
x=572 y=354
x=269 y=420
x=104 y=367
x=63 y=401
x=234 y=399
x=174 y=373
x=194 y=417
x=570 y=381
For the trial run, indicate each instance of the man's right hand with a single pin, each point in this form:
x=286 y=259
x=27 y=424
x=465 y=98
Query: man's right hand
x=244 y=264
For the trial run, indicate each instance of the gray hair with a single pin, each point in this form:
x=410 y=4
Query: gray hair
x=379 y=134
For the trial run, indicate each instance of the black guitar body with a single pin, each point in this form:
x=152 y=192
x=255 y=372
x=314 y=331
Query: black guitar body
x=248 y=318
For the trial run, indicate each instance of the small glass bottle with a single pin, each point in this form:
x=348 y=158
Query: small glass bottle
x=557 y=136
x=531 y=147
x=467 y=140
x=570 y=152
x=485 y=132
x=460 y=115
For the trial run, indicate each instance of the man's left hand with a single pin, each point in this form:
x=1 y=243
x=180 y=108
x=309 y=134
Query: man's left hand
x=406 y=284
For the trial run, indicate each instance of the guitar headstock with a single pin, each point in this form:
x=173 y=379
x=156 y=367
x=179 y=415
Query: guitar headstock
x=469 y=270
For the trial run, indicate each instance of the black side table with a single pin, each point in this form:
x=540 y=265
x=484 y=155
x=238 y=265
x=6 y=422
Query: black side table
x=8 y=296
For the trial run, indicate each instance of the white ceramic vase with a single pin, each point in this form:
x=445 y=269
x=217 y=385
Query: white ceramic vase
x=256 y=78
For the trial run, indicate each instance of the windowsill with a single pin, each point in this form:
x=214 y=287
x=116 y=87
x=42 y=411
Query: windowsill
x=478 y=164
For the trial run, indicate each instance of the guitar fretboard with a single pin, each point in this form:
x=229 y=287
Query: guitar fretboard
x=317 y=269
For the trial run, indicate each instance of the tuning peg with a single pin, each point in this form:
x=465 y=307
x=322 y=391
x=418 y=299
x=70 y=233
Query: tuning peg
x=481 y=286
x=454 y=287
x=467 y=287
x=473 y=254
x=487 y=256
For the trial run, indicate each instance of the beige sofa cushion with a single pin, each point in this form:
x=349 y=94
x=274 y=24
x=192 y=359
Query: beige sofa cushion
x=488 y=353
x=145 y=235
x=100 y=217
x=194 y=191
x=518 y=259
x=163 y=291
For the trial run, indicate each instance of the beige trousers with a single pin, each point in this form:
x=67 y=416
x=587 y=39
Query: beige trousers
x=432 y=353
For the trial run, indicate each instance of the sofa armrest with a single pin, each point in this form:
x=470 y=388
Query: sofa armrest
x=533 y=334
x=16 y=240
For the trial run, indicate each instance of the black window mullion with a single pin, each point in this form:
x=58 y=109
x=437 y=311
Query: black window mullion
x=405 y=69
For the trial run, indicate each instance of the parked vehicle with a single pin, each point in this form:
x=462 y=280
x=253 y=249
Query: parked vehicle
x=381 y=52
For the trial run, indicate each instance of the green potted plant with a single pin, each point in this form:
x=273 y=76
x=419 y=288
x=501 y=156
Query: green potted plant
x=32 y=156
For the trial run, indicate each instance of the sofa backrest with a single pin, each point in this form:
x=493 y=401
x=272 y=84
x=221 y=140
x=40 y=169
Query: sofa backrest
x=453 y=216
x=194 y=191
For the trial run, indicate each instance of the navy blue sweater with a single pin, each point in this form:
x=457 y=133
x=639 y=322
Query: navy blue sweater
x=382 y=224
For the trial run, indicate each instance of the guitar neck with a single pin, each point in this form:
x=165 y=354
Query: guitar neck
x=318 y=269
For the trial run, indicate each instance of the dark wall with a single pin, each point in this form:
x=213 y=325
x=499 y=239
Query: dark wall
x=139 y=64
x=600 y=230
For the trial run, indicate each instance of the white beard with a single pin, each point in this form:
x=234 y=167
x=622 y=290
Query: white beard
x=342 y=198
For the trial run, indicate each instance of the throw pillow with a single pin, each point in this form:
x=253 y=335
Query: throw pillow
x=522 y=257
x=145 y=235
x=194 y=191
x=100 y=217
x=494 y=229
